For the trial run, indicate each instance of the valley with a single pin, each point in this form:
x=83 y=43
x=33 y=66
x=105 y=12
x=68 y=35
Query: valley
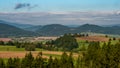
x=59 y=33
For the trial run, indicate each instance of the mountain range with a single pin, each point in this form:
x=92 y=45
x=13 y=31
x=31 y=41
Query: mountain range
x=13 y=29
x=9 y=30
x=22 y=26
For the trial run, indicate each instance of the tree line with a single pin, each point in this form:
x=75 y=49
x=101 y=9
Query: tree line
x=66 y=61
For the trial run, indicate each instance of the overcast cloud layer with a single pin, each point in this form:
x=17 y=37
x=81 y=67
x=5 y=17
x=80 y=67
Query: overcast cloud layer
x=66 y=18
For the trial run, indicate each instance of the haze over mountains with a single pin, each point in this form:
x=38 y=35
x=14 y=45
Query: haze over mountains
x=65 y=18
x=11 y=29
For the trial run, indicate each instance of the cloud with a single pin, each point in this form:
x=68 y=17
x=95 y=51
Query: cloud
x=71 y=18
x=24 y=5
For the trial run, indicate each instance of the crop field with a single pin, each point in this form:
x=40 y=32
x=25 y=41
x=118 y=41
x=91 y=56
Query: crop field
x=5 y=39
x=12 y=51
x=21 y=54
x=94 y=38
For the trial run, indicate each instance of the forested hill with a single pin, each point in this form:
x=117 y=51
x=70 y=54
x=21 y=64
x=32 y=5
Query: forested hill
x=53 y=29
x=8 y=31
x=22 y=26
x=56 y=29
x=99 y=29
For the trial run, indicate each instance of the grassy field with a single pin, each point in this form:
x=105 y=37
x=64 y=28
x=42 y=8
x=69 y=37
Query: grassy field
x=12 y=51
x=10 y=48
x=82 y=41
x=13 y=48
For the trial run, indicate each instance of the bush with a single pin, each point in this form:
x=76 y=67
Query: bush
x=30 y=47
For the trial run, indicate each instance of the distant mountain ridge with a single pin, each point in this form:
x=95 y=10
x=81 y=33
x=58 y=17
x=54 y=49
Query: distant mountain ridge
x=53 y=29
x=58 y=29
x=12 y=31
x=22 y=26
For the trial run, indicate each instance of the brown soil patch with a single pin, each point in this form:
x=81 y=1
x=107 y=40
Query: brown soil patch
x=17 y=54
x=5 y=39
x=21 y=54
x=94 y=38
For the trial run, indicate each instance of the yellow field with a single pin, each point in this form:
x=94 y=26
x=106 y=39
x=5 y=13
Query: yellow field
x=21 y=54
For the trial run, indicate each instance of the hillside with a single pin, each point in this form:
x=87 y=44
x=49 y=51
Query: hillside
x=33 y=28
x=8 y=30
x=13 y=29
x=57 y=29
x=22 y=26
x=89 y=28
x=53 y=29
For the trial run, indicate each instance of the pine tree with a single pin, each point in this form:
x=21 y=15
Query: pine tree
x=27 y=61
x=56 y=63
x=92 y=57
x=2 y=63
x=50 y=62
x=70 y=61
x=78 y=62
x=10 y=63
x=39 y=61
x=64 y=60
x=17 y=63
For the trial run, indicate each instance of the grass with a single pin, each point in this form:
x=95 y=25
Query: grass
x=13 y=48
x=83 y=42
x=10 y=48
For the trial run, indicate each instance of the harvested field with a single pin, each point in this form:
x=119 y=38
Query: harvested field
x=21 y=54
x=46 y=38
x=94 y=38
x=5 y=39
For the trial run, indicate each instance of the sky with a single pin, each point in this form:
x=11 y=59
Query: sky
x=72 y=12
x=60 y=5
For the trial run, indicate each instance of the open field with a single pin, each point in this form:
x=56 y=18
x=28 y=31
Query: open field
x=94 y=38
x=34 y=39
x=13 y=48
x=5 y=39
x=21 y=54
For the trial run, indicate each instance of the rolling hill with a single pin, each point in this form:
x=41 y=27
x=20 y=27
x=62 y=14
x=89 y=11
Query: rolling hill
x=57 y=29
x=13 y=29
x=22 y=26
x=8 y=31
x=33 y=28
x=53 y=30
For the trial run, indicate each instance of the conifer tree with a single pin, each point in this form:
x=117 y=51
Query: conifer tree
x=27 y=61
x=10 y=63
x=70 y=60
x=2 y=63
x=50 y=62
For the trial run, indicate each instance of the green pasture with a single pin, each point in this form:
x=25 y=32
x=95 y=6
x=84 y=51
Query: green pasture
x=13 y=48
